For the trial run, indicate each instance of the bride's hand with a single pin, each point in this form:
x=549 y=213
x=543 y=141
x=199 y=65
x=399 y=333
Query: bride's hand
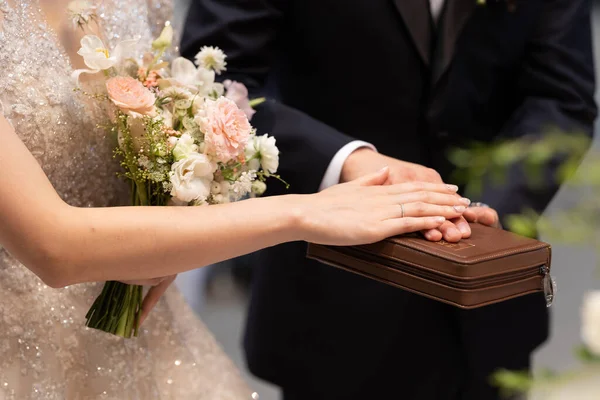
x=364 y=211
x=159 y=286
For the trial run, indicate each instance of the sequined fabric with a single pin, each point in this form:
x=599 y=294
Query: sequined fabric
x=45 y=350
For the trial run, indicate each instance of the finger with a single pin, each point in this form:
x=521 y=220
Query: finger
x=433 y=235
x=409 y=187
x=419 y=209
x=153 y=295
x=462 y=225
x=447 y=199
x=399 y=226
x=483 y=215
x=374 y=179
x=450 y=232
x=471 y=214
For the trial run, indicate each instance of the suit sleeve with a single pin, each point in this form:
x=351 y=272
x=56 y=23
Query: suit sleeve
x=557 y=84
x=247 y=31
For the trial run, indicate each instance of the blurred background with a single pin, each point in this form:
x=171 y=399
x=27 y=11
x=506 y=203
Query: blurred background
x=219 y=294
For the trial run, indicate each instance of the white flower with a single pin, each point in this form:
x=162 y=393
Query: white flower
x=263 y=149
x=165 y=39
x=185 y=74
x=81 y=12
x=218 y=88
x=176 y=93
x=590 y=331
x=185 y=147
x=215 y=188
x=225 y=186
x=259 y=188
x=211 y=58
x=166 y=117
x=192 y=177
x=242 y=186
x=183 y=104
x=172 y=142
x=97 y=56
x=144 y=162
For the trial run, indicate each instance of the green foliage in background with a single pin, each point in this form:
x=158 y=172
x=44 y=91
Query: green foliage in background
x=488 y=163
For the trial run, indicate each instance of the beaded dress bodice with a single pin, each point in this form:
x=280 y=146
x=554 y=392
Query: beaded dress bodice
x=45 y=350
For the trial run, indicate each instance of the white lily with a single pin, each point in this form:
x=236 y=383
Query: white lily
x=98 y=57
x=185 y=74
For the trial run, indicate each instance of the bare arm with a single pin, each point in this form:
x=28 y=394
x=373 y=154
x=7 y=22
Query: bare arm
x=65 y=245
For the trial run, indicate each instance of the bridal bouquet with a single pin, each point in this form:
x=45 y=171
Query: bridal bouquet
x=183 y=140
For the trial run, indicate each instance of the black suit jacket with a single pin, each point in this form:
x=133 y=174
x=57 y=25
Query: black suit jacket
x=376 y=70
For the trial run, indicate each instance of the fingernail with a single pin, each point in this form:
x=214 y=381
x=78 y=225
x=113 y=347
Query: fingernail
x=454 y=232
x=465 y=201
x=463 y=228
x=460 y=209
x=453 y=188
x=440 y=220
x=384 y=169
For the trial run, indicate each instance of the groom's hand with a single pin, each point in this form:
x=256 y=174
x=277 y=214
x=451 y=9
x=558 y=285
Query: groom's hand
x=483 y=215
x=365 y=161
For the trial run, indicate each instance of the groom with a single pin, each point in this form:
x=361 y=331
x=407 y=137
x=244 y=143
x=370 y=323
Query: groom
x=355 y=85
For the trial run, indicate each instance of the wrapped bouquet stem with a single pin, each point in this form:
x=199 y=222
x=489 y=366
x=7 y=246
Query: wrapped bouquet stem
x=183 y=140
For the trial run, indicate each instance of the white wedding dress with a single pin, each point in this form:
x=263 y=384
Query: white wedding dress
x=45 y=350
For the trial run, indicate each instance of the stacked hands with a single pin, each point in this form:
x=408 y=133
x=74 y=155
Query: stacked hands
x=428 y=202
x=378 y=197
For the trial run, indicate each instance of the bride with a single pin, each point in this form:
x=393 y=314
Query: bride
x=63 y=229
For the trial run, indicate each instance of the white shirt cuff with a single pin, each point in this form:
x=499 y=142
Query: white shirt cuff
x=334 y=170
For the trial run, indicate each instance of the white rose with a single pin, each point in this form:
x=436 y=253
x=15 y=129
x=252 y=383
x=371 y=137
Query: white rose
x=185 y=74
x=263 y=148
x=590 y=331
x=192 y=177
x=185 y=147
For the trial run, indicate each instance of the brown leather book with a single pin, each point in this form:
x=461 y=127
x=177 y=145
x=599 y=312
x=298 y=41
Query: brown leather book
x=491 y=266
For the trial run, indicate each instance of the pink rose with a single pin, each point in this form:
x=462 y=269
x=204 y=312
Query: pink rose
x=131 y=96
x=239 y=94
x=226 y=129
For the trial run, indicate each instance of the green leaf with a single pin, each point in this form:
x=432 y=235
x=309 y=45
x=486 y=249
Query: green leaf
x=511 y=383
x=523 y=225
x=585 y=355
x=256 y=102
x=460 y=157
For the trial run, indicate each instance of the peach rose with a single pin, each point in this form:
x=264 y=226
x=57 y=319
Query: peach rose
x=131 y=96
x=226 y=129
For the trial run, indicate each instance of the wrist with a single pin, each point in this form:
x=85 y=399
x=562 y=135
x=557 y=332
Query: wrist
x=291 y=221
x=356 y=162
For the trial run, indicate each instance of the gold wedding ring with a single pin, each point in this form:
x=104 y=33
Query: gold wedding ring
x=402 y=208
